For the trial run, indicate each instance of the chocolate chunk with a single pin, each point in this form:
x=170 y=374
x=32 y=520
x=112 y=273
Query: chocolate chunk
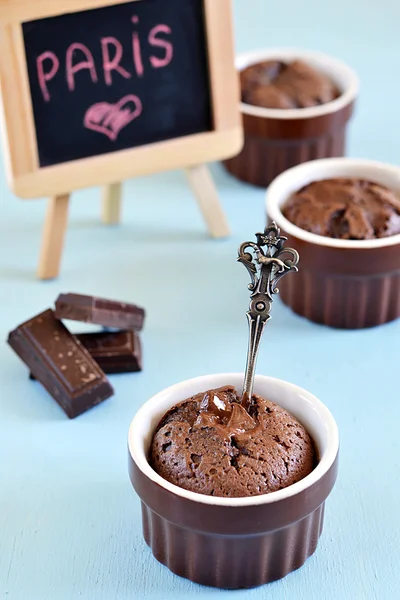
x=61 y=363
x=115 y=352
x=108 y=313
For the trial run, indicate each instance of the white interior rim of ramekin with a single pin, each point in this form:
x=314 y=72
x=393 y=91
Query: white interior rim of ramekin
x=294 y=179
x=149 y=415
x=341 y=74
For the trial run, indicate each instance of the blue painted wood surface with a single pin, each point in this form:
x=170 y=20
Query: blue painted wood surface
x=69 y=520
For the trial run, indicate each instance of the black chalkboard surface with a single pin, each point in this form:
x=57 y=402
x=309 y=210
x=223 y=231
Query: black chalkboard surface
x=117 y=77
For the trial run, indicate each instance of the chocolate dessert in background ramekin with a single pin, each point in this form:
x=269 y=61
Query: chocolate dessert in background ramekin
x=237 y=542
x=280 y=137
x=346 y=209
x=284 y=85
x=350 y=269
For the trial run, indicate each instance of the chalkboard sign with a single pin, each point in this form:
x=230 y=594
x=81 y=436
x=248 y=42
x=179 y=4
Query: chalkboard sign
x=94 y=92
x=117 y=77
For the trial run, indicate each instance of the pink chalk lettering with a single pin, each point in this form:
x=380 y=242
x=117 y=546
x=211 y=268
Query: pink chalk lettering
x=74 y=68
x=136 y=50
x=43 y=76
x=110 y=119
x=113 y=63
x=161 y=43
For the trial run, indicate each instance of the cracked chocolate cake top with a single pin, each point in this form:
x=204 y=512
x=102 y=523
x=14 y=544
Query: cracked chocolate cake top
x=276 y=84
x=348 y=209
x=210 y=444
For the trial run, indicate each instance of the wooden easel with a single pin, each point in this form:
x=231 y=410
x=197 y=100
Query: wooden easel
x=55 y=225
x=29 y=179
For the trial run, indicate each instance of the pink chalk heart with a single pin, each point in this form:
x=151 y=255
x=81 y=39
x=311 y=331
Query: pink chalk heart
x=111 y=118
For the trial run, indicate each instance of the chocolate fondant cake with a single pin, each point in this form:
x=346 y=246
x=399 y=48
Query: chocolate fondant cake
x=276 y=84
x=349 y=209
x=210 y=444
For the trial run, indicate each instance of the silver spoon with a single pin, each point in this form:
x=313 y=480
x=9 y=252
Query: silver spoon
x=266 y=265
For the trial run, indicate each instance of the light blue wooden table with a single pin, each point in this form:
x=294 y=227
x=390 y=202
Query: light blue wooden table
x=69 y=520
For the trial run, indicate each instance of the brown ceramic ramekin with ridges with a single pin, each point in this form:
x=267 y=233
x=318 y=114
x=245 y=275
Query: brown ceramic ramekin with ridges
x=347 y=284
x=234 y=542
x=278 y=139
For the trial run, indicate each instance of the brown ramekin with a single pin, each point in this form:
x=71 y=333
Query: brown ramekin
x=277 y=139
x=234 y=542
x=341 y=283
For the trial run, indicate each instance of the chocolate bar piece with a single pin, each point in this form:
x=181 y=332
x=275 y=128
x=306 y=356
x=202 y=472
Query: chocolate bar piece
x=61 y=363
x=114 y=352
x=108 y=313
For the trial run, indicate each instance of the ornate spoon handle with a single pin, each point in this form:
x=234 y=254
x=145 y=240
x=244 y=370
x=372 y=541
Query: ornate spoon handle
x=266 y=265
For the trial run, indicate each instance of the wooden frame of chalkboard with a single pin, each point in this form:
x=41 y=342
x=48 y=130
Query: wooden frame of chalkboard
x=29 y=175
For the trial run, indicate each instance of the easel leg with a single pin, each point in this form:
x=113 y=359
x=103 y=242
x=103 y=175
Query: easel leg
x=203 y=187
x=111 y=204
x=53 y=237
